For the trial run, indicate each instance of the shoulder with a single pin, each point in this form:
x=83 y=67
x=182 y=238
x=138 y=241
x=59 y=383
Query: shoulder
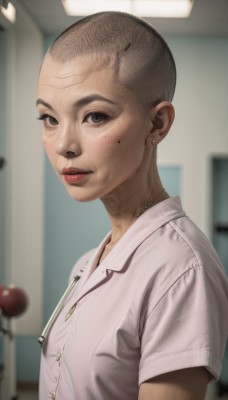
x=179 y=245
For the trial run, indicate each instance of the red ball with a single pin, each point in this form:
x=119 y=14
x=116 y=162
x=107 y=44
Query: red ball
x=1 y=290
x=13 y=301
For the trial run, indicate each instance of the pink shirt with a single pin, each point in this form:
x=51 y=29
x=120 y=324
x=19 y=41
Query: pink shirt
x=157 y=303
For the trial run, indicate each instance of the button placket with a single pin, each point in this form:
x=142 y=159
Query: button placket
x=70 y=312
x=52 y=394
x=59 y=352
x=58 y=355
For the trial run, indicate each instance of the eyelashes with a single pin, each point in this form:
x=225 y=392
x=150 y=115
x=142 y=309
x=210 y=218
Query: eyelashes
x=48 y=120
x=96 y=117
x=93 y=118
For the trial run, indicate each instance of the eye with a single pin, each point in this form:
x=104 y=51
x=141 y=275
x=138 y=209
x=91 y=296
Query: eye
x=48 y=120
x=96 y=117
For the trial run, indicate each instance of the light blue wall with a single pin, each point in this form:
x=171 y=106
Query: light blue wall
x=28 y=359
x=171 y=177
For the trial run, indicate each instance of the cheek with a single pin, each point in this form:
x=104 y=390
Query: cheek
x=123 y=141
x=121 y=151
x=50 y=150
x=106 y=146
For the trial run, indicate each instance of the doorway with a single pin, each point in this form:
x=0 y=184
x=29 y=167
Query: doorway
x=220 y=235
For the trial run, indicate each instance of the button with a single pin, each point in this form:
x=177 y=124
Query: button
x=52 y=396
x=58 y=355
x=70 y=312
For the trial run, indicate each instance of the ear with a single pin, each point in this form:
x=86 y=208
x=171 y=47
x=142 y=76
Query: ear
x=161 y=116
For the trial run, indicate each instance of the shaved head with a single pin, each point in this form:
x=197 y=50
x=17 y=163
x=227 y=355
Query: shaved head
x=138 y=55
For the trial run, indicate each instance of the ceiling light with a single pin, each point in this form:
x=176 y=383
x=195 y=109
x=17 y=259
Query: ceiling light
x=163 y=8
x=86 y=7
x=142 y=8
x=9 y=12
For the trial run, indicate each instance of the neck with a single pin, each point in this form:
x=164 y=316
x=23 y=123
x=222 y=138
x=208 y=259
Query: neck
x=125 y=207
x=123 y=215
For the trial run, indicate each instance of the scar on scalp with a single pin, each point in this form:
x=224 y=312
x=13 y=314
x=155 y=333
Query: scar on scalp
x=127 y=47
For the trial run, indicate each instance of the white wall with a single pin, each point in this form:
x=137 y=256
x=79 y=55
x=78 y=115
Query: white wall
x=24 y=183
x=24 y=169
x=200 y=128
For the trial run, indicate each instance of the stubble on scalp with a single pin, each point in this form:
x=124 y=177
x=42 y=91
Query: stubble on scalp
x=138 y=55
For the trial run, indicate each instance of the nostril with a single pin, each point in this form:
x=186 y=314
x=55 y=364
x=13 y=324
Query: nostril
x=70 y=154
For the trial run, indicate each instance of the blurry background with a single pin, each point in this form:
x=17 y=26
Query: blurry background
x=42 y=230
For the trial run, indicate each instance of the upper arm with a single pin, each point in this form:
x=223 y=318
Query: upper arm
x=186 y=384
x=186 y=329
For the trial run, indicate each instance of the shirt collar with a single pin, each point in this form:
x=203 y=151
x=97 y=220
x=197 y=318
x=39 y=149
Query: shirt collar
x=150 y=221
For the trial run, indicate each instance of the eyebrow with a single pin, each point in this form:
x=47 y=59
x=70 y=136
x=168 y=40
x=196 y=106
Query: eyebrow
x=80 y=102
x=44 y=103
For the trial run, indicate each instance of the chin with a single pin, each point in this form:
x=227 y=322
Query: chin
x=81 y=194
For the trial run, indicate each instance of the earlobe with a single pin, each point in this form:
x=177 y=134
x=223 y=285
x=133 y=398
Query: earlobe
x=162 y=116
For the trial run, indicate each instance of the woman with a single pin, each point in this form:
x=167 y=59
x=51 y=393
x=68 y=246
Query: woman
x=146 y=320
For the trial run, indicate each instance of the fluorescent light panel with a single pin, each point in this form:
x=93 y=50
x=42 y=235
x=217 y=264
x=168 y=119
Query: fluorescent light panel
x=9 y=12
x=142 y=8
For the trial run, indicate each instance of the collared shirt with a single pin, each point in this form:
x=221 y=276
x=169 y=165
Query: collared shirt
x=157 y=303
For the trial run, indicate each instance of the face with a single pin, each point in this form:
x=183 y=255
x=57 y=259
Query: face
x=94 y=131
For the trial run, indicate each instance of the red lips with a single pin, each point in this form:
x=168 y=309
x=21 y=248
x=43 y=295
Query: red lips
x=73 y=171
x=74 y=175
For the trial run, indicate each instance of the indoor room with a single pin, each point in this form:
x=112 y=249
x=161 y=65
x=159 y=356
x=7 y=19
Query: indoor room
x=44 y=231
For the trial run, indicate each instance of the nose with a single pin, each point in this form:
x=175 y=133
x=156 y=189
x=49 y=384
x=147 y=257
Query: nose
x=68 y=144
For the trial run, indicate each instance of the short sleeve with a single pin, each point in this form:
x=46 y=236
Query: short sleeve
x=186 y=328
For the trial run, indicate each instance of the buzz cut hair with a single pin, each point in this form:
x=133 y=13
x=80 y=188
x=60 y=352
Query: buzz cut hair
x=141 y=59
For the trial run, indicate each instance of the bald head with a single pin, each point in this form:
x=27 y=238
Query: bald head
x=139 y=56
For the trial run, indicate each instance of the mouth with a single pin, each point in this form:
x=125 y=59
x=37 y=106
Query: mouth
x=74 y=175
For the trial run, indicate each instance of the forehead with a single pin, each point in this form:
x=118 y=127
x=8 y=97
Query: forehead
x=76 y=69
x=80 y=76
x=80 y=72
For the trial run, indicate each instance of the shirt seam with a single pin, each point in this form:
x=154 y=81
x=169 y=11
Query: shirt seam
x=198 y=267
x=181 y=233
